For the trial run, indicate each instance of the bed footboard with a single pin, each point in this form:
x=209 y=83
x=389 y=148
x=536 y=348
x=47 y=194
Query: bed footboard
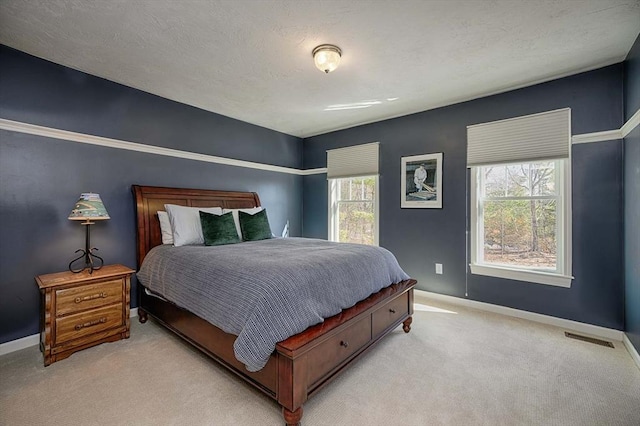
x=305 y=363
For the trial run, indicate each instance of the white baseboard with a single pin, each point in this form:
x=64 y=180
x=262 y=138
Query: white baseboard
x=18 y=344
x=580 y=327
x=34 y=339
x=632 y=350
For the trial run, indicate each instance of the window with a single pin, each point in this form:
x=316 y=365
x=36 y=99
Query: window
x=353 y=193
x=519 y=222
x=353 y=210
x=520 y=198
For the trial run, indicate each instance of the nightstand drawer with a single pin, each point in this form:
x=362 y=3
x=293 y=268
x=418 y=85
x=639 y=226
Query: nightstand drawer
x=85 y=323
x=87 y=297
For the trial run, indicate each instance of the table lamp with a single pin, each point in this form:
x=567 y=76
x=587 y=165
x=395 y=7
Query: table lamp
x=88 y=208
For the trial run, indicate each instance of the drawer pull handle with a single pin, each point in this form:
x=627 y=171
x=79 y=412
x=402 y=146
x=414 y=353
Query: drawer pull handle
x=91 y=323
x=393 y=311
x=93 y=296
x=343 y=343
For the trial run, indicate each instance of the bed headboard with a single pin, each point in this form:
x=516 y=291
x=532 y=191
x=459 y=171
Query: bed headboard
x=150 y=199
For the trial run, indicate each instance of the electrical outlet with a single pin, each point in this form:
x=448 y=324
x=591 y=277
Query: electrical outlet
x=438 y=268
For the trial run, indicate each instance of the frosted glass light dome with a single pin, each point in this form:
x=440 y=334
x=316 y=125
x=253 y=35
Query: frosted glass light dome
x=327 y=57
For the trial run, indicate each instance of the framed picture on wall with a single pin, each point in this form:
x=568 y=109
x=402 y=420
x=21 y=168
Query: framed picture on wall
x=422 y=181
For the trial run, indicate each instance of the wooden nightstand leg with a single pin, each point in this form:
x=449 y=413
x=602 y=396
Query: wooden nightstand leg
x=46 y=354
x=45 y=327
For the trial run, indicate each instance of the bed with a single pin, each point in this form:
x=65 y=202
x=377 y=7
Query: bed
x=300 y=365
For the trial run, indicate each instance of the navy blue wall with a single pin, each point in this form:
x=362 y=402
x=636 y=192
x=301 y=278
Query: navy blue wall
x=422 y=237
x=41 y=178
x=632 y=198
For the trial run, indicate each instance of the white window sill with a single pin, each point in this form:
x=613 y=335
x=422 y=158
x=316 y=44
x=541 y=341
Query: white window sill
x=520 y=275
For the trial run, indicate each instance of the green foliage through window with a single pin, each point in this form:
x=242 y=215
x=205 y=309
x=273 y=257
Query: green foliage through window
x=353 y=207
x=519 y=210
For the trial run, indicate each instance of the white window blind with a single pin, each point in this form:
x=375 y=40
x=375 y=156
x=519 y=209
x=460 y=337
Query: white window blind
x=357 y=160
x=533 y=137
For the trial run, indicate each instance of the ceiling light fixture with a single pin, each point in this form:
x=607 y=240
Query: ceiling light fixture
x=327 y=57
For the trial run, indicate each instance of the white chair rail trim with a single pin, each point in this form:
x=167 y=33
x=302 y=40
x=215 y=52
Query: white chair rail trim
x=49 y=132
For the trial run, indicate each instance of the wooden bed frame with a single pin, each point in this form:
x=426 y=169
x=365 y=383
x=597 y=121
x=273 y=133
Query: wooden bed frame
x=302 y=364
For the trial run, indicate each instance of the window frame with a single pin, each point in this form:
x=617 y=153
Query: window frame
x=561 y=277
x=333 y=204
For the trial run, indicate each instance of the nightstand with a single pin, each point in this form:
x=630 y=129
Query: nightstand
x=83 y=310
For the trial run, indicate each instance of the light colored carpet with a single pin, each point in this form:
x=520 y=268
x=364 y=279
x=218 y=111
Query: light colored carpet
x=458 y=366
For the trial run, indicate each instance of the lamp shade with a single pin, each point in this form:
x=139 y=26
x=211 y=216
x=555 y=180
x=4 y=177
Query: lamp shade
x=89 y=207
x=327 y=57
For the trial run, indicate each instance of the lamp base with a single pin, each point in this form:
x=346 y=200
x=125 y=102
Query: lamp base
x=89 y=262
x=87 y=253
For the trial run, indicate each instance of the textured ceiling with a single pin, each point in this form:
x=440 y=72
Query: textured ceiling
x=251 y=59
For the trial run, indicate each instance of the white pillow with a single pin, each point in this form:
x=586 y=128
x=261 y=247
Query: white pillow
x=185 y=223
x=236 y=218
x=165 y=228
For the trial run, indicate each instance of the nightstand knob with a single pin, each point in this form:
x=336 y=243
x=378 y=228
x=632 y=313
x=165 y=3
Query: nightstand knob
x=343 y=343
x=393 y=311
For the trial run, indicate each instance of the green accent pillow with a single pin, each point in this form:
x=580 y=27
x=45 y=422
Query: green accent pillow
x=254 y=227
x=218 y=229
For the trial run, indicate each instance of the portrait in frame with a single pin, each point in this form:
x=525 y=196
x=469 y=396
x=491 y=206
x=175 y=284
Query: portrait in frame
x=422 y=181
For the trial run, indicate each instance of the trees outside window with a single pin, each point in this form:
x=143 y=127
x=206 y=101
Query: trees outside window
x=520 y=219
x=519 y=203
x=353 y=210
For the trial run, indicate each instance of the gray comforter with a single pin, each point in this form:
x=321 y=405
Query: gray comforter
x=266 y=291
